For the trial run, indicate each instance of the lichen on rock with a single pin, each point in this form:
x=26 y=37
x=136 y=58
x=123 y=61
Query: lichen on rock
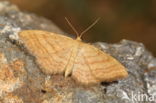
x=10 y=75
x=22 y=78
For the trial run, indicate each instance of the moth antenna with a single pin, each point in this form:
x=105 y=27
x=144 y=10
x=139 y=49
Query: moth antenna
x=73 y=28
x=89 y=27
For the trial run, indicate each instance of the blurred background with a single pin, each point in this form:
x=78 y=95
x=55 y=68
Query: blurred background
x=120 y=19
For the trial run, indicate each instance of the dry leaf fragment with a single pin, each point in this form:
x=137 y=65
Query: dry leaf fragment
x=58 y=54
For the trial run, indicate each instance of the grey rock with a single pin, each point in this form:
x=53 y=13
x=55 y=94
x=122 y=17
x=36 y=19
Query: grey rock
x=137 y=60
x=41 y=88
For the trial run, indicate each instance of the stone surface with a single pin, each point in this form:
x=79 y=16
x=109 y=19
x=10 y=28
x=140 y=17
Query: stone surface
x=11 y=76
x=36 y=87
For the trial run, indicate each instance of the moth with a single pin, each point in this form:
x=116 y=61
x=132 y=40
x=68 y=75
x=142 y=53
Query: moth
x=58 y=54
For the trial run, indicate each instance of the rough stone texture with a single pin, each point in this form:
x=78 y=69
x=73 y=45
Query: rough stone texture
x=36 y=87
x=11 y=76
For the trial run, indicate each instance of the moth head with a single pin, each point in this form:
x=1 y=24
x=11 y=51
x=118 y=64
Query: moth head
x=79 y=35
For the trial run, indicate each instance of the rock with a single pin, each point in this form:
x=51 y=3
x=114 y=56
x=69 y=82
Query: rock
x=137 y=60
x=11 y=99
x=11 y=76
x=27 y=83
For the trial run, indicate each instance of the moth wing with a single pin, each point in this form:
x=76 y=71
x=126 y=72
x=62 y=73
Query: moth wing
x=93 y=65
x=52 y=51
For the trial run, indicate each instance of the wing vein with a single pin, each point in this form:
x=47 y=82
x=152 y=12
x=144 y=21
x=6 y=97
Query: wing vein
x=88 y=66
